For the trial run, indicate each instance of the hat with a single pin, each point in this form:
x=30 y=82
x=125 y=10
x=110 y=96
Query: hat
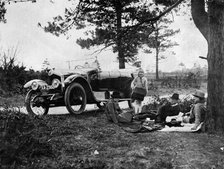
x=115 y=95
x=175 y=96
x=199 y=94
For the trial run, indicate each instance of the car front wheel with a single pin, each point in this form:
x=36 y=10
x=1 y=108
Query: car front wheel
x=35 y=104
x=75 y=98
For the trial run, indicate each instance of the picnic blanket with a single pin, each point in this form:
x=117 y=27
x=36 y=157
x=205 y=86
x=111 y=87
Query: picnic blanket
x=142 y=128
x=186 y=127
x=144 y=122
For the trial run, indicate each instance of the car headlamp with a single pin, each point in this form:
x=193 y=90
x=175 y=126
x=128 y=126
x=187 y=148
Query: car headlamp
x=55 y=83
x=34 y=86
x=50 y=72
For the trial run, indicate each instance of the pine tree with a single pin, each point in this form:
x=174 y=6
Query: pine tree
x=160 y=41
x=116 y=23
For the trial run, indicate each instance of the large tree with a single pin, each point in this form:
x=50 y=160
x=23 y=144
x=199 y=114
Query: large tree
x=208 y=16
x=117 y=24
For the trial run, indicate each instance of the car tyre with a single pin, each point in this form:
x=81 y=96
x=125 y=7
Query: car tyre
x=75 y=95
x=30 y=96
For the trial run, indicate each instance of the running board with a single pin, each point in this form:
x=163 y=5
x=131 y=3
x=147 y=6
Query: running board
x=100 y=97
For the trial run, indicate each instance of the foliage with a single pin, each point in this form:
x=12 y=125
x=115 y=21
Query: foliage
x=116 y=24
x=178 y=80
x=188 y=80
x=155 y=101
x=160 y=40
x=13 y=75
x=20 y=140
x=2 y=11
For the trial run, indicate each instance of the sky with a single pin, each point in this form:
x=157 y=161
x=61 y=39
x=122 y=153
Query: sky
x=34 y=45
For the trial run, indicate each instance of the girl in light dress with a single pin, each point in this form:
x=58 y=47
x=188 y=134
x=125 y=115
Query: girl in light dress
x=140 y=88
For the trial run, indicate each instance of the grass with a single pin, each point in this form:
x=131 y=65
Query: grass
x=90 y=141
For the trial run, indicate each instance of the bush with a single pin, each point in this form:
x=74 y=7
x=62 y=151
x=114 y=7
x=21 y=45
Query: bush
x=155 y=102
x=20 y=139
x=188 y=80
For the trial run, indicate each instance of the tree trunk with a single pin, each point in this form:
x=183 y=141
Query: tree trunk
x=121 y=60
x=211 y=25
x=119 y=39
x=157 y=50
x=215 y=67
x=157 y=63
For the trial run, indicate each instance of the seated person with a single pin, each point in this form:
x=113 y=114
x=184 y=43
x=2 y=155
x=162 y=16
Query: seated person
x=170 y=108
x=198 y=110
x=112 y=109
x=114 y=113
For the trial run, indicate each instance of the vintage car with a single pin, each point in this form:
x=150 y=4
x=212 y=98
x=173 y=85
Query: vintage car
x=76 y=88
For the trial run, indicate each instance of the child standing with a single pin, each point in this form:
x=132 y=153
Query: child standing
x=139 y=90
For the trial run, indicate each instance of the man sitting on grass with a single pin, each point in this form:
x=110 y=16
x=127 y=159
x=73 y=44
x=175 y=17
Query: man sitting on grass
x=169 y=108
x=198 y=110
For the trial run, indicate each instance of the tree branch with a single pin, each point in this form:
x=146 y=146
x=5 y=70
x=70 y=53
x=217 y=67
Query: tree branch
x=98 y=51
x=156 y=18
x=200 y=16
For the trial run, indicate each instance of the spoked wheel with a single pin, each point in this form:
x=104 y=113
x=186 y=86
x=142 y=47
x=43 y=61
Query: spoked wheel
x=35 y=104
x=75 y=99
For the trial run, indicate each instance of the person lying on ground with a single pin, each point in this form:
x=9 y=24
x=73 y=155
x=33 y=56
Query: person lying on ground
x=169 y=108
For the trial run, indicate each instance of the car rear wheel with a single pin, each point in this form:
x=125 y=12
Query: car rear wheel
x=35 y=104
x=75 y=98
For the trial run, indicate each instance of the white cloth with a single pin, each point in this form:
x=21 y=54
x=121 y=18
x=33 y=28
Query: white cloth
x=186 y=128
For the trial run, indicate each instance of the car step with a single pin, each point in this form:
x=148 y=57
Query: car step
x=103 y=96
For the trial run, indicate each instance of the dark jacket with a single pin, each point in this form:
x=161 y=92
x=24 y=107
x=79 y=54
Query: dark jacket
x=167 y=109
